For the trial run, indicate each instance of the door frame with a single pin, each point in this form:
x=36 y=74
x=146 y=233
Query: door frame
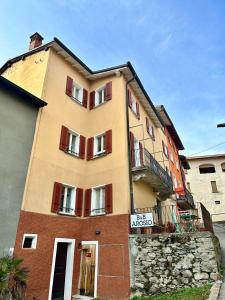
x=69 y=267
x=96 y=264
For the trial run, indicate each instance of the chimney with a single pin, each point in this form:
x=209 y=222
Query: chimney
x=35 y=41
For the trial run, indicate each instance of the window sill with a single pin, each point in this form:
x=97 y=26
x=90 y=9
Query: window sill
x=66 y=214
x=98 y=105
x=77 y=101
x=97 y=215
x=72 y=154
x=99 y=155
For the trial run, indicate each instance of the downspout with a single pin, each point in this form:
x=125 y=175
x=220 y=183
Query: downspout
x=128 y=147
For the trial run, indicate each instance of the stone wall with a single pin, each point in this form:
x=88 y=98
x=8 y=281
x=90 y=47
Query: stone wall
x=162 y=262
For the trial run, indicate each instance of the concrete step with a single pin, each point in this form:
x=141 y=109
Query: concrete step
x=80 y=297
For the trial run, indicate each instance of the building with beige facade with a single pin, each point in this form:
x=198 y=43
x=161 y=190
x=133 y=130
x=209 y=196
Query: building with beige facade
x=97 y=156
x=206 y=182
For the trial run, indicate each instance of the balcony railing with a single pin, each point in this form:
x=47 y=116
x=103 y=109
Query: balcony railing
x=145 y=167
x=171 y=219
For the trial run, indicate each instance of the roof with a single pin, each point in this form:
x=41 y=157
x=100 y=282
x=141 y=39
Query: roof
x=184 y=162
x=10 y=86
x=206 y=156
x=170 y=127
x=126 y=69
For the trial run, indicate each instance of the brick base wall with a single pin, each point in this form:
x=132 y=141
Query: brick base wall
x=113 y=260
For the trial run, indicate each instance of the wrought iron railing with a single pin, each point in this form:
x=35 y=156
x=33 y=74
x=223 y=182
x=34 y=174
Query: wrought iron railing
x=189 y=197
x=170 y=219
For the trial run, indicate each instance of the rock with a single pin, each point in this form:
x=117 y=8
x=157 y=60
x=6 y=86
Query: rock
x=215 y=276
x=187 y=273
x=201 y=276
x=139 y=285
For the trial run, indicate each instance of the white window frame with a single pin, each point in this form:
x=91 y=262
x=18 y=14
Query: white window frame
x=134 y=104
x=77 y=144
x=97 y=99
x=137 y=153
x=93 y=201
x=72 y=201
x=96 y=152
x=34 y=240
x=80 y=96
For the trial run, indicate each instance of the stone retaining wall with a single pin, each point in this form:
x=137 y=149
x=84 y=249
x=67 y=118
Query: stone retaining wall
x=162 y=262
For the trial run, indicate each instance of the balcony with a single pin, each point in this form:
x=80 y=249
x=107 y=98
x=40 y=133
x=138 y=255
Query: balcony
x=147 y=169
x=186 y=201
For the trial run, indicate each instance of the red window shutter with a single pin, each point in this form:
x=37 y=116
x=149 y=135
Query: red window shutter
x=108 y=199
x=90 y=148
x=108 y=141
x=138 y=110
x=92 y=100
x=141 y=153
x=79 y=202
x=87 y=208
x=85 y=98
x=108 y=91
x=147 y=125
x=132 y=154
x=69 y=86
x=129 y=99
x=82 y=147
x=63 y=145
x=56 y=197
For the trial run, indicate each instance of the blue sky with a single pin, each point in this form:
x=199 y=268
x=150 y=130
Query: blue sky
x=176 y=46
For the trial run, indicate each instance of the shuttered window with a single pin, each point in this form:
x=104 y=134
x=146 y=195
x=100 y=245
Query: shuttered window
x=76 y=92
x=72 y=143
x=150 y=129
x=67 y=199
x=99 y=201
x=99 y=145
x=133 y=104
x=101 y=95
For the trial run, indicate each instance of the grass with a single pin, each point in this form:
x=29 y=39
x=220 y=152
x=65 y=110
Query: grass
x=201 y=293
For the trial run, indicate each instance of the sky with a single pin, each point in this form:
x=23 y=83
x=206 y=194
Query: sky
x=177 y=48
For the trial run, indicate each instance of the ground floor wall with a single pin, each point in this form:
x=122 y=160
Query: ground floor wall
x=113 y=260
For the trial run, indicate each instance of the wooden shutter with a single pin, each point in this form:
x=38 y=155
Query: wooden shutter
x=79 y=202
x=87 y=207
x=90 y=148
x=108 y=91
x=138 y=110
x=92 y=100
x=108 y=141
x=85 y=98
x=69 y=86
x=63 y=145
x=147 y=125
x=82 y=147
x=108 y=199
x=141 y=154
x=56 y=197
x=132 y=154
x=129 y=99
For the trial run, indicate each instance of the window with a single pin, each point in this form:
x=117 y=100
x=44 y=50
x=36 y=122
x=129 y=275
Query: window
x=165 y=149
x=77 y=92
x=223 y=167
x=99 y=144
x=214 y=187
x=150 y=129
x=171 y=157
x=133 y=104
x=29 y=241
x=189 y=186
x=175 y=182
x=98 y=201
x=137 y=153
x=177 y=165
x=207 y=168
x=74 y=143
x=217 y=202
x=67 y=201
x=100 y=96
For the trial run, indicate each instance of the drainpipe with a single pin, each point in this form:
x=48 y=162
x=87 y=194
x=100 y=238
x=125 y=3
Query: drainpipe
x=128 y=148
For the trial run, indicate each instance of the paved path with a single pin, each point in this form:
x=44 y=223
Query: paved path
x=219 y=230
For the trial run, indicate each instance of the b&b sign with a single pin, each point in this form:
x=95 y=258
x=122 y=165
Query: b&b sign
x=141 y=220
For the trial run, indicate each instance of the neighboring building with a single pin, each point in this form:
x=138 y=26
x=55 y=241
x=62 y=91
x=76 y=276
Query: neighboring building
x=177 y=163
x=18 y=115
x=97 y=157
x=205 y=180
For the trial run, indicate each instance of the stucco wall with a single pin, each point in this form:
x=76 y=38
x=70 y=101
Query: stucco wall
x=17 y=126
x=201 y=189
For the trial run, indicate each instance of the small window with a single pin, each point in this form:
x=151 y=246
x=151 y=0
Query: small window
x=137 y=153
x=189 y=186
x=171 y=157
x=165 y=149
x=98 y=201
x=68 y=200
x=208 y=168
x=214 y=187
x=134 y=105
x=74 y=143
x=99 y=144
x=100 y=96
x=223 y=167
x=217 y=202
x=77 y=92
x=29 y=241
